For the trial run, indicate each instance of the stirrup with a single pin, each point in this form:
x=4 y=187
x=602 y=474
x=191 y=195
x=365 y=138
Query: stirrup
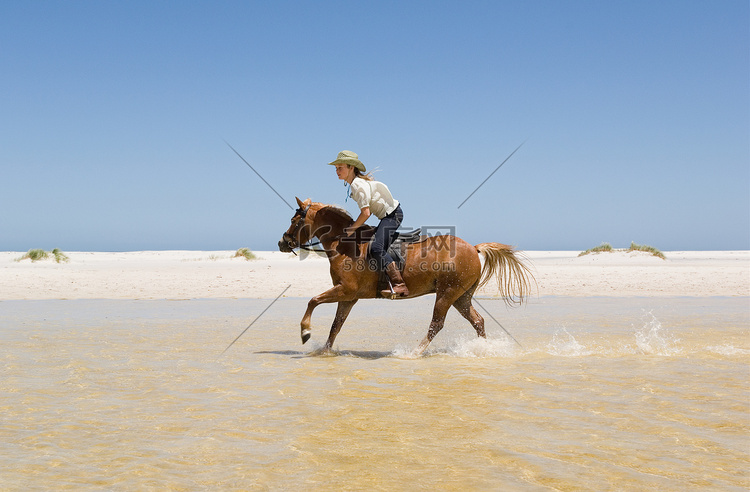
x=384 y=293
x=393 y=292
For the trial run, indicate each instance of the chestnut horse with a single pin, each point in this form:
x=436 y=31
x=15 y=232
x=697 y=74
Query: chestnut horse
x=445 y=265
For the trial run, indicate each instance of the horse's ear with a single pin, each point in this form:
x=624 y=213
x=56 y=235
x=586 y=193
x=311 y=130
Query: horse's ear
x=303 y=204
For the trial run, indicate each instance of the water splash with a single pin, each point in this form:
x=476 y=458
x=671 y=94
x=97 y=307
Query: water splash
x=653 y=339
x=483 y=347
x=465 y=347
x=564 y=344
x=402 y=352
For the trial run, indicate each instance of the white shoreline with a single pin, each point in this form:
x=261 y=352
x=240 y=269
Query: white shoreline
x=216 y=274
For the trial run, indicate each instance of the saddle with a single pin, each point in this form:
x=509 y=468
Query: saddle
x=352 y=246
x=397 y=251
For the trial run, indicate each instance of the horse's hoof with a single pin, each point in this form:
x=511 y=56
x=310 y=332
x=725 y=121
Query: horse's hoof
x=322 y=352
x=305 y=336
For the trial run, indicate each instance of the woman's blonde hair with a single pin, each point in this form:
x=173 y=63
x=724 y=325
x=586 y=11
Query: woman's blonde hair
x=365 y=176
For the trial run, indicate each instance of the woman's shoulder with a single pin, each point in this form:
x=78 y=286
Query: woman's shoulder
x=359 y=183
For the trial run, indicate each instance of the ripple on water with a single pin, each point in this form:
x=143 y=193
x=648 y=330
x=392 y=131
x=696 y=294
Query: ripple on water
x=134 y=395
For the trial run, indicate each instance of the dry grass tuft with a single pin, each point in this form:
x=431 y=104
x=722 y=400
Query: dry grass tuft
x=244 y=253
x=604 y=247
x=40 y=254
x=607 y=248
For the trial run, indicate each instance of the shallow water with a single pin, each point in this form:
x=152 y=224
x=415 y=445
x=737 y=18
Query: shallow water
x=599 y=394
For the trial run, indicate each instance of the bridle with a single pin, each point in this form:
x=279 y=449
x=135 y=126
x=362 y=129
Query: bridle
x=291 y=239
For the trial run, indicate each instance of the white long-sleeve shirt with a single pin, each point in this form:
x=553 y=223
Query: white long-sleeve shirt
x=375 y=195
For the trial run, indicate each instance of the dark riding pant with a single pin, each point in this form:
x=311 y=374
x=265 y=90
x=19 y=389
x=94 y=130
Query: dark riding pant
x=385 y=233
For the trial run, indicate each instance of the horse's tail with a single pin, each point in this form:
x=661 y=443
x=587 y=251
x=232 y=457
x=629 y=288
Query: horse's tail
x=514 y=278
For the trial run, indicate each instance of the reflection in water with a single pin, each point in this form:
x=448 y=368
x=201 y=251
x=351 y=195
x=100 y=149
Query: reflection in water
x=605 y=393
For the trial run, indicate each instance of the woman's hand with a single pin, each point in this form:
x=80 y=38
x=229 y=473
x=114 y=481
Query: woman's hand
x=364 y=213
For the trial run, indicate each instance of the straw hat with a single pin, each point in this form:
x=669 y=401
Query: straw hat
x=350 y=158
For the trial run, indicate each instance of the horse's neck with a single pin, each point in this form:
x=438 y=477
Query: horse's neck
x=328 y=226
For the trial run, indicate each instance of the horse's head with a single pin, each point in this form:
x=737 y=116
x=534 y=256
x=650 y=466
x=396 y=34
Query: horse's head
x=297 y=233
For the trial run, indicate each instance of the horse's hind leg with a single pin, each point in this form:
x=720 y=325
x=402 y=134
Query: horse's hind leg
x=463 y=305
x=442 y=304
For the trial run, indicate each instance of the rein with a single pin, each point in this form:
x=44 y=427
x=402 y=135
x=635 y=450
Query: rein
x=311 y=247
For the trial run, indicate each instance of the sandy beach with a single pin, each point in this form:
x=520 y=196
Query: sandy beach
x=218 y=275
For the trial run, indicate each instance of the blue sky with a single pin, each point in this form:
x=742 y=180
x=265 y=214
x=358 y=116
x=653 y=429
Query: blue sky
x=634 y=118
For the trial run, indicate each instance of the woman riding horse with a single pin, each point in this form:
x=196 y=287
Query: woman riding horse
x=447 y=266
x=373 y=197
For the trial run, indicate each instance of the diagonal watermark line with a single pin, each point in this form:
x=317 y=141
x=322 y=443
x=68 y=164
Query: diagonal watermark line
x=498 y=323
x=256 y=319
x=261 y=177
x=493 y=172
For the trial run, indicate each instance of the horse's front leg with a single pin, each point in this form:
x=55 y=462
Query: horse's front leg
x=335 y=294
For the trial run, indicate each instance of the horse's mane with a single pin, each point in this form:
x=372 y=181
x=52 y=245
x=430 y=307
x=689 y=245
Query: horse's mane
x=337 y=212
